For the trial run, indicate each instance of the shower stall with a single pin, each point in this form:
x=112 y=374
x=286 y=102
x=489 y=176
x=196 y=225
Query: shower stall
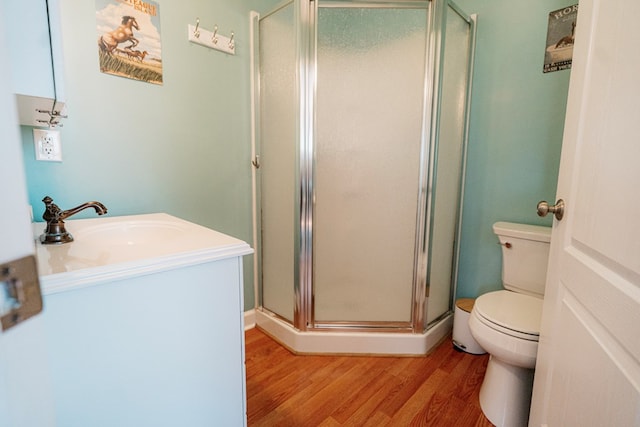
x=359 y=154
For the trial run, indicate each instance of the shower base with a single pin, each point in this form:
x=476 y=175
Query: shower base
x=355 y=343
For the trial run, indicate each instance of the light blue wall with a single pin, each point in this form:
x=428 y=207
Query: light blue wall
x=181 y=148
x=517 y=119
x=184 y=147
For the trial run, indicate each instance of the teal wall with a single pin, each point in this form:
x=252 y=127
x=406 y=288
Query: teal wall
x=182 y=148
x=517 y=119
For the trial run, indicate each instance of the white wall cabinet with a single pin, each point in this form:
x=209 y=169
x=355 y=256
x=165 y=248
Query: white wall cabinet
x=35 y=53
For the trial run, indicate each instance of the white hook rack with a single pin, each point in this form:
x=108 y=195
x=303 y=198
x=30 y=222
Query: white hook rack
x=211 y=39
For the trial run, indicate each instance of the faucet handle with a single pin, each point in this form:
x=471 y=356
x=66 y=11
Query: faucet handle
x=51 y=210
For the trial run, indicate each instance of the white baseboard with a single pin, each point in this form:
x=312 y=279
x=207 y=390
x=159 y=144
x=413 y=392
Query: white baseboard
x=249 y=319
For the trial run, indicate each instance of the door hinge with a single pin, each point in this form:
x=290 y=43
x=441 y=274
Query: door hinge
x=20 y=296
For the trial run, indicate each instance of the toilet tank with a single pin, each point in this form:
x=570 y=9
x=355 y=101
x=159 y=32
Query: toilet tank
x=525 y=253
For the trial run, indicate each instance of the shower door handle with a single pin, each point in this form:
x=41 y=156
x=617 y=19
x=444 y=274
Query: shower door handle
x=256 y=161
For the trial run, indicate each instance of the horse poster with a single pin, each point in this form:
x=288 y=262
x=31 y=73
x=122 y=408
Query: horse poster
x=129 y=39
x=560 y=37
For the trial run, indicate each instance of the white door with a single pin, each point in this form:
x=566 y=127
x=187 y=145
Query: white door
x=588 y=369
x=25 y=392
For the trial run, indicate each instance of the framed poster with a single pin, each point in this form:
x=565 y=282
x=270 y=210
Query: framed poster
x=560 y=38
x=129 y=39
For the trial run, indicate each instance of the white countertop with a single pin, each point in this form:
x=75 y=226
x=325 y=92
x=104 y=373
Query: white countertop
x=114 y=248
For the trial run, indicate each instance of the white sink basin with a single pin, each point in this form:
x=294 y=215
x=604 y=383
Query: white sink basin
x=108 y=246
x=133 y=232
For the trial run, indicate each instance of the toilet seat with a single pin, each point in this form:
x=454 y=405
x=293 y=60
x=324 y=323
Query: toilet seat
x=510 y=313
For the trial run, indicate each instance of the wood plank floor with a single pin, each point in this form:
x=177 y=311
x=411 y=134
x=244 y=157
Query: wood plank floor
x=284 y=389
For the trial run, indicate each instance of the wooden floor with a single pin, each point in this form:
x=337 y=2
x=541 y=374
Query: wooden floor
x=288 y=390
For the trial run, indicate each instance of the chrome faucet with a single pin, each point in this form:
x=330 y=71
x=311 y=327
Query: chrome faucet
x=55 y=232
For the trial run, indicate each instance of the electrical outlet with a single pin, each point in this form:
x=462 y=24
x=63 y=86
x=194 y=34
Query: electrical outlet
x=48 y=145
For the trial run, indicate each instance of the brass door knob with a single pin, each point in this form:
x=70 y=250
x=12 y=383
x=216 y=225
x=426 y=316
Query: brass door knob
x=557 y=209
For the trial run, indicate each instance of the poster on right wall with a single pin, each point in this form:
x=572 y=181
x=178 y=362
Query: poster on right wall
x=560 y=38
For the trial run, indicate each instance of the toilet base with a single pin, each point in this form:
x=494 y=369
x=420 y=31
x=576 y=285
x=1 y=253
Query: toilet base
x=505 y=394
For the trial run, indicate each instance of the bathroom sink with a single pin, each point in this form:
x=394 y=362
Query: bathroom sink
x=108 y=246
x=133 y=232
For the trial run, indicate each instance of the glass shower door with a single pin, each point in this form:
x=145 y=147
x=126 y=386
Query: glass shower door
x=368 y=163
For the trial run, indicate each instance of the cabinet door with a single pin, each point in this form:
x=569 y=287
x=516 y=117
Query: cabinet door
x=29 y=46
x=162 y=349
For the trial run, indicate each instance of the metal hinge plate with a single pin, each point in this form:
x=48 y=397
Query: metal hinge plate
x=20 y=296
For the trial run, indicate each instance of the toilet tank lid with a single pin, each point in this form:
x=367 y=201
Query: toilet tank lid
x=538 y=233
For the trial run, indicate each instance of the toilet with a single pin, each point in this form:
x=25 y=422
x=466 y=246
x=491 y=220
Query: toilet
x=506 y=323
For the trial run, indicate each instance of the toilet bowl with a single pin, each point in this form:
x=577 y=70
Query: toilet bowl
x=506 y=323
x=506 y=326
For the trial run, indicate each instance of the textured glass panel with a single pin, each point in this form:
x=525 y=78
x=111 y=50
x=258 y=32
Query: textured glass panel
x=277 y=148
x=368 y=138
x=449 y=163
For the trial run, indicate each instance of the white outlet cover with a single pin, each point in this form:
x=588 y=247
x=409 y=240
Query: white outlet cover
x=47 y=145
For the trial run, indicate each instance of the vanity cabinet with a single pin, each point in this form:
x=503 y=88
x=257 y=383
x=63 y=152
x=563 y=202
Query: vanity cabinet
x=33 y=32
x=144 y=323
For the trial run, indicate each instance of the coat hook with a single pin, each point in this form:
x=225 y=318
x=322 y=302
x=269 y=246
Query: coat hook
x=211 y=39
x=196 y=32
x=214 y=38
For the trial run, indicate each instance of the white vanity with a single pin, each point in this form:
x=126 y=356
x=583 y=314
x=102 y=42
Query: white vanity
x=144 y=318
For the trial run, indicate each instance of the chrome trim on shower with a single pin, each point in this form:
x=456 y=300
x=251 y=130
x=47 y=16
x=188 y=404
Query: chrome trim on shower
x=305 y=78
x=416 y=322
x=473 y=23
x=364 y=326
x=255 y=137
x=424 y=216
x=305 y=29
x=373 y=4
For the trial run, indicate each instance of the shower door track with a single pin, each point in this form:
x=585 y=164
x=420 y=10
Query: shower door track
x=373 y=326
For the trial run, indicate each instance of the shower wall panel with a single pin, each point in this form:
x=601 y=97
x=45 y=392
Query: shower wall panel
x=448 y=163
x=278 y=109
